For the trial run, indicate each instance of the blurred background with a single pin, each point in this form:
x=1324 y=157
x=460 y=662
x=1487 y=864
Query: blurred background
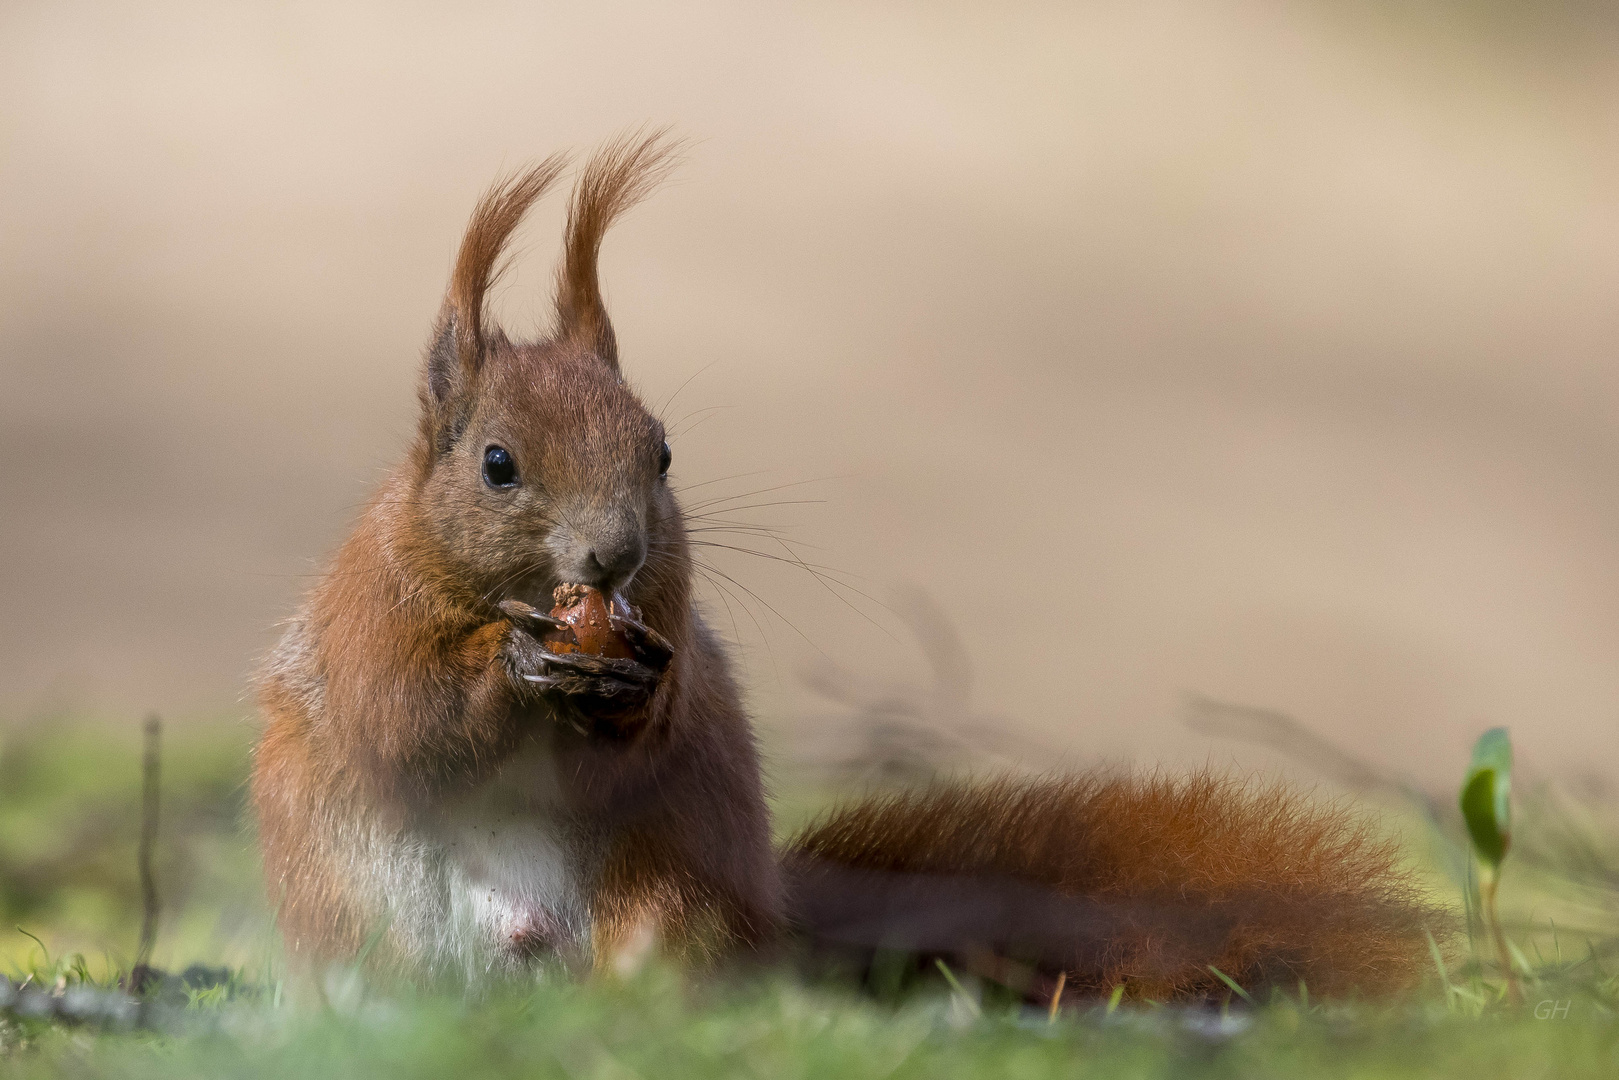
x=1101 y=357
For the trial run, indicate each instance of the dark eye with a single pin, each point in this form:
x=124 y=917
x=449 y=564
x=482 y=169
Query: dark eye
x=664 y=457
x=499 y=470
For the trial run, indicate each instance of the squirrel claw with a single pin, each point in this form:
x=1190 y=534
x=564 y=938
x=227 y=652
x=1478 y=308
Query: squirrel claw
x=584 y=665
x=651 y=648
x=528 y=613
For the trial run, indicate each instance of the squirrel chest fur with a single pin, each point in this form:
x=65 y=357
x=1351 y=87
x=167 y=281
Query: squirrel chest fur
x=439 y=790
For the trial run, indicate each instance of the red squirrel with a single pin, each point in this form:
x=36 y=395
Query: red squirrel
x=435 y=786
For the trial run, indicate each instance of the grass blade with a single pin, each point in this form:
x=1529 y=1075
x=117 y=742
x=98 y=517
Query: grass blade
x=1229 y=981
x=950 y=977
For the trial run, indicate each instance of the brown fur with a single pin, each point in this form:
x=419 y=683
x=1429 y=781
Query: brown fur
x=1115 y=879
x=394 y=697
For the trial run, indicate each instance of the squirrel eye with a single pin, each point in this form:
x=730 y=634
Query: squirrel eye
x=499 y=470
x=664 y=458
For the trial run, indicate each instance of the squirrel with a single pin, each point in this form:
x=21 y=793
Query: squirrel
x=435 y=787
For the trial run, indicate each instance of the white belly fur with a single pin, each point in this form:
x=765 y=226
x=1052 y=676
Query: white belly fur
x=488 y=884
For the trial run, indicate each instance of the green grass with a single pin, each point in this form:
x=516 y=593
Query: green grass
x=69 y=797
x=658 y=1025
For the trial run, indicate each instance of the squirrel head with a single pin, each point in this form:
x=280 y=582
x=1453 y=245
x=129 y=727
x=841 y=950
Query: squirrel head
x=535 y=464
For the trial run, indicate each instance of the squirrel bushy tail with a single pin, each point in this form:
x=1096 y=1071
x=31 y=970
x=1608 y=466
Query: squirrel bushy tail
x=1101 y=880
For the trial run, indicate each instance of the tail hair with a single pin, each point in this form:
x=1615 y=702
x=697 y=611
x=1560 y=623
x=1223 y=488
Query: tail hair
x=1160 y=885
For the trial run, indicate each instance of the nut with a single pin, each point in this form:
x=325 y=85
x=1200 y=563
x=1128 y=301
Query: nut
x=589 y=629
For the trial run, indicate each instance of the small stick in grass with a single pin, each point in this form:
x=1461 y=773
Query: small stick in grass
x=151 y=764
x=1056 y=997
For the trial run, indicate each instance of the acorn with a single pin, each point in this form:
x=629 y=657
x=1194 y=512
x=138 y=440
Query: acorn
x=589 y=629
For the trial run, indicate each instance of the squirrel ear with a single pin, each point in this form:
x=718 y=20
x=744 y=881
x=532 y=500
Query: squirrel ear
x=460 y=339
x=621 y=174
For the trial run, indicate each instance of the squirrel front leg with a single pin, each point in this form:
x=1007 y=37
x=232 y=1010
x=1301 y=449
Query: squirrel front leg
x=475 y=695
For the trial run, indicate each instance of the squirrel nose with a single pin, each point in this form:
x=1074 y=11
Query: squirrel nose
x=611 y=557
x=613 y=565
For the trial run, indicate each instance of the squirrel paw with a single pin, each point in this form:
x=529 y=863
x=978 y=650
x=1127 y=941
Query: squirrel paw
x=651 y=648
x=596 y=694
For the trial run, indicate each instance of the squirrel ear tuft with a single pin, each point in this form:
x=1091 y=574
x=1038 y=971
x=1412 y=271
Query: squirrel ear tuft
x=443 y=372
x=621 y=174
x=461 y=338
